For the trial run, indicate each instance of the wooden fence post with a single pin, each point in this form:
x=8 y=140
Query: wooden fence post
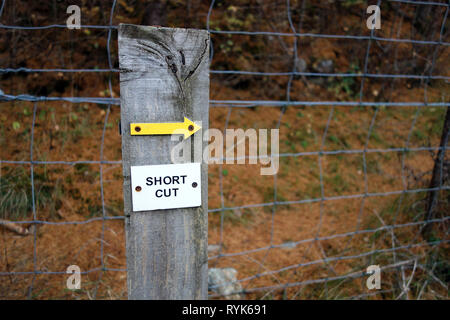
x=164 y=77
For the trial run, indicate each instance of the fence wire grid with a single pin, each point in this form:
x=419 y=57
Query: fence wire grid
x=309 y=265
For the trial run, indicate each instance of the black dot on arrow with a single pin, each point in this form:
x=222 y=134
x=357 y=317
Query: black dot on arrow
x=137 y=129
x=194 y=184
x=191 y=127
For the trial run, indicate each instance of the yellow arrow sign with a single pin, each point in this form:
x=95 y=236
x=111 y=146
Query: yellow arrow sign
x=186 y=128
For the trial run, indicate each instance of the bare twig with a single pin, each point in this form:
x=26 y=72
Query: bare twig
x=406 y=287
x=14 y=227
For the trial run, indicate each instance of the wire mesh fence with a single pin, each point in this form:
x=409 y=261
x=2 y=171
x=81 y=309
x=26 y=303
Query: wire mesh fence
x=363 y=135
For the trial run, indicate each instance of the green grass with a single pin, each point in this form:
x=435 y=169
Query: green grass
x=347 y=86
x=243 y=217
x=338 y=183
x=15 y=191
x=373 y=166
x=339 y=141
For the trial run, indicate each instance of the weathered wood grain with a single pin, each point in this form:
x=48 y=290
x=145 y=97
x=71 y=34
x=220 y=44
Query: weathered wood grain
x=164 y=77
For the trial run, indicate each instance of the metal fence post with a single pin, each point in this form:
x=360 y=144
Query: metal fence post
x=164 y=77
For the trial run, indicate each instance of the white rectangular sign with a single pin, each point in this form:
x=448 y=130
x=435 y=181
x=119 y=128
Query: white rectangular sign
x=166 y=186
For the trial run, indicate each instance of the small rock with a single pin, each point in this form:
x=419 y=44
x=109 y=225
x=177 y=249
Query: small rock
x=224 y=282
x=289 y=245
x=325 y=66
x=300 y=65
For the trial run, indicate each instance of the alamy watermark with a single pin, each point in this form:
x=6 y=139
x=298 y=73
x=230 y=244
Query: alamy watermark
x=374 y=20
x=74 y=20
x=74 y=281
x=230 y=147
x=374 y=281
